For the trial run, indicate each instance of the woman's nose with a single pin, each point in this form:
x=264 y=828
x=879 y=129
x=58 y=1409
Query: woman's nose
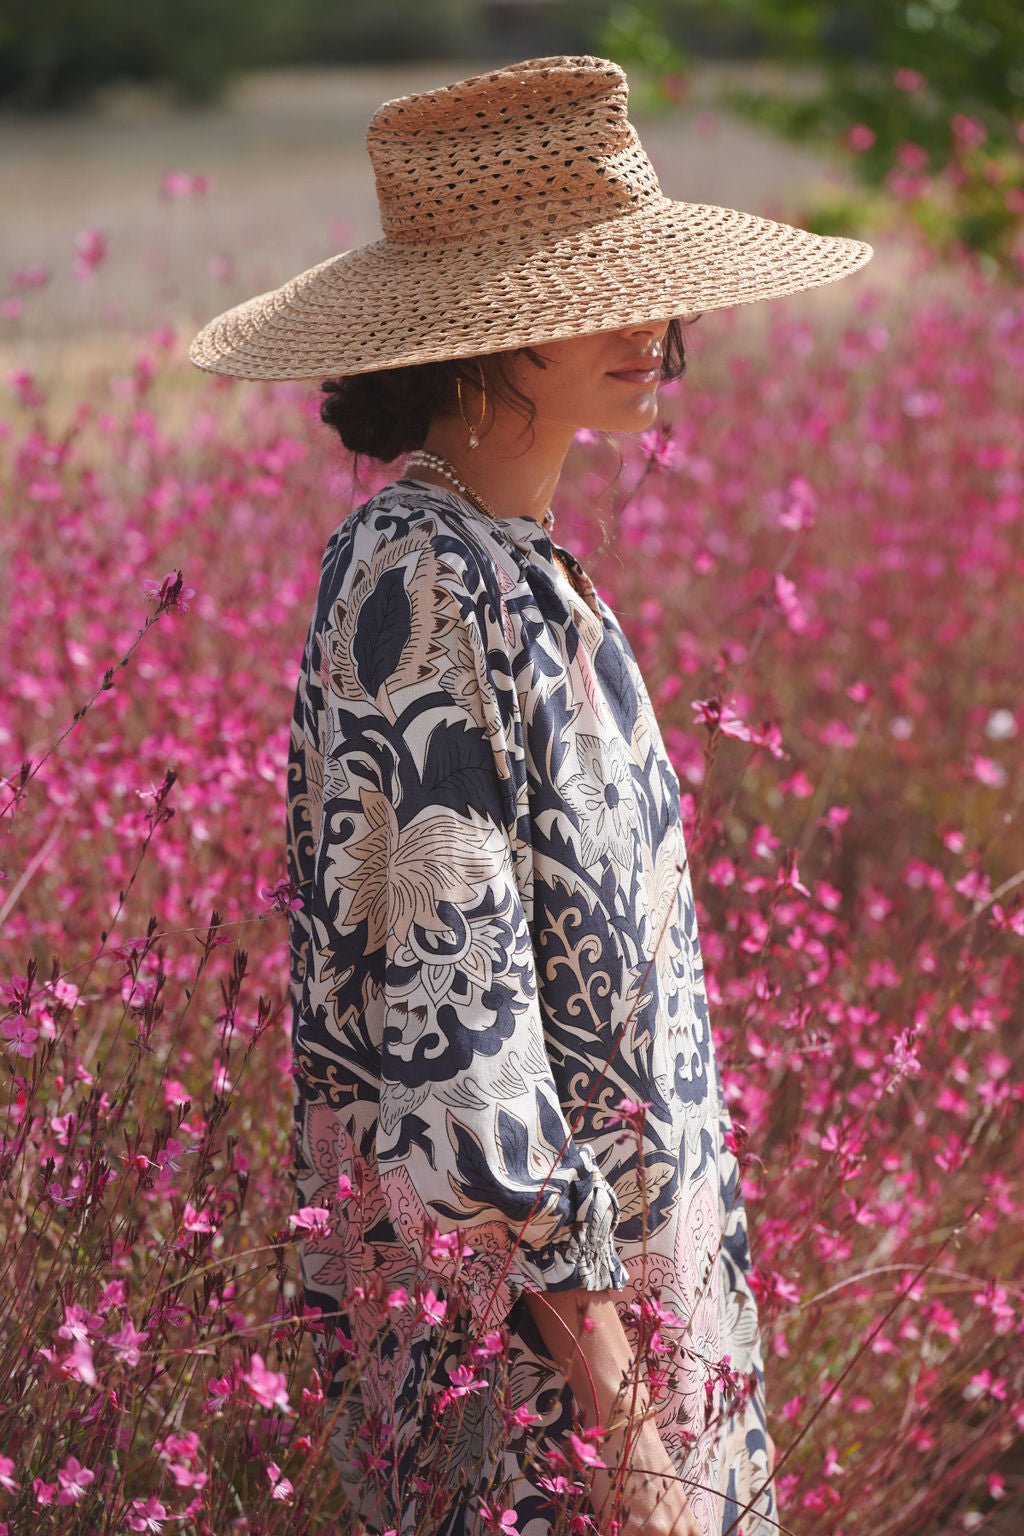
x=647 y=335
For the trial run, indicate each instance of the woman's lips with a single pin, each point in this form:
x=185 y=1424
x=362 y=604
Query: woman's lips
x=639 y=375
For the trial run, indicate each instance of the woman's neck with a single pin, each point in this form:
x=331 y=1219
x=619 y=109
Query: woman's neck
x=514 y=482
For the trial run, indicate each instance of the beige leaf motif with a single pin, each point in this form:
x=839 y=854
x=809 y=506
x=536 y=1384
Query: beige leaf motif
x=416 y=663
x=628 y=1192
x=402 y=875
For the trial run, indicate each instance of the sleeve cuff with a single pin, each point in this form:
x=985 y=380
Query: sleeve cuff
x=586 y=1257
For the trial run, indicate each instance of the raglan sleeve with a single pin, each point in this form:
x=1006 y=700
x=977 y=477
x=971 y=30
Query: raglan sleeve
x=423 y=741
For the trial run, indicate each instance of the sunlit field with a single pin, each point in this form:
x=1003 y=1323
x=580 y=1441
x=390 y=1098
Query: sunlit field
x=818 y=556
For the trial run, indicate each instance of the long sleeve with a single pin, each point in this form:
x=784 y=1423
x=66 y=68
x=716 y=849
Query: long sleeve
x=425 y=854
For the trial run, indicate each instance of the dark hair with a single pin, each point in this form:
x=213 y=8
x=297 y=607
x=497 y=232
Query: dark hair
x=384 y=414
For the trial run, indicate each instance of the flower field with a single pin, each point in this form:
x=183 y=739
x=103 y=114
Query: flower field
x=818 y=557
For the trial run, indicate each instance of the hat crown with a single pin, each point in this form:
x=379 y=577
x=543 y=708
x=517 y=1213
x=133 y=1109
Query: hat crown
x=541 y=146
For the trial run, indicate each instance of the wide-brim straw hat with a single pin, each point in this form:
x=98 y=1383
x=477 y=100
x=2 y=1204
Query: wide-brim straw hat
x=517 y=207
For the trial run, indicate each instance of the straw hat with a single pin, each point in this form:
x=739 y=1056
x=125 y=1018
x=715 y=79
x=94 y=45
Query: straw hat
x=517 y=207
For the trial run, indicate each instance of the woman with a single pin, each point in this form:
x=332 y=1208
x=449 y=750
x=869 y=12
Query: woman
x=497 y=945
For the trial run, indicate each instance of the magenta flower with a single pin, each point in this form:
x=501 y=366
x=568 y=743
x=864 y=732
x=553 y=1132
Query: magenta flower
x=463 y=1381
x=281 y=1487
x=269 y=1388
x=283 y=897
x=195 y=1220
x=433 y=1309
x=146 y=1514
x=987 y=771
x=860 y=137
x=444 y=1243
x=630 y=1112
x=219 y=1391
x=125 y=1342
x=490 y=1346
x=178 y=184
x=585 y=1452
x=169 y=593
x=968 y=130
x=909 y=80
x=24 y=387
x=496 y=1519
x=21 y=1036
x=7 y=1479
x=33 y=276
x=90 y=252
x=74 y=1481
x=315 y=1219
x=792 y=609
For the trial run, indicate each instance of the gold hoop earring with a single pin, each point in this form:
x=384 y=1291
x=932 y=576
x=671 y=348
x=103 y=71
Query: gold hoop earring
x=474 y=432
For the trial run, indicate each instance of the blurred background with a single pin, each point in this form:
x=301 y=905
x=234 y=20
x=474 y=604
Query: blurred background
x=160 y=162
x=216 y=148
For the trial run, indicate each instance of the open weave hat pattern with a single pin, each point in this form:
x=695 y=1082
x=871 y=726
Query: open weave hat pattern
x=517 y=207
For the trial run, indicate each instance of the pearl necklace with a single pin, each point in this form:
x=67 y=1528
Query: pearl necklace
x=423 y=458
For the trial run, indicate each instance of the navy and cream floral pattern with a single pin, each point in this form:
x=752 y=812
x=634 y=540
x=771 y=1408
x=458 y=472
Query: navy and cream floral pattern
x=497 y=911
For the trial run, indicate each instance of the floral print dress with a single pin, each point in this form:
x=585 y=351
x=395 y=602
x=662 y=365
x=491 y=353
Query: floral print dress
x=496 y=915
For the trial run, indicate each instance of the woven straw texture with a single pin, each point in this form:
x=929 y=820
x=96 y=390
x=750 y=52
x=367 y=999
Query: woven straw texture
x=517 y=207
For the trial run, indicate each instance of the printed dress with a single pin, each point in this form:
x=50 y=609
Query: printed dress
x=496 y=916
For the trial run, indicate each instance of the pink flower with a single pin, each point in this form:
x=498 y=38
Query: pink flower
x=24 y=387
x=125 y=1342
x=790 y=606
x=170 y=592
x=177 y=184
x=432 y=1307
x=74 y=1479
x=21 y=1036
x=968 y=130
x=219 y=1391
x=269 y=1388
x=911 y=156
x=195 y=1220
x=33 y=276
x=987 y=771
x=91 y=252
x=796 y=508
x=315 y=1219
x=860 y=137
x=281 y=1487
x=44 y=1492
x=630 y=1111
x=147 y=1514
x=78 y=1363
x=585 y=1452
x=463 y=1381
x=283 y=897
x=77 y=1322
x=491 y=1345
x=496 y=1519
x=657 y=444
x=984 y=1384
x=443 y=1243
x=7 y=1478
x=909 y=80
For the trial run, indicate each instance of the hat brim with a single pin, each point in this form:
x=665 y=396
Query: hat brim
x=388 y=304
